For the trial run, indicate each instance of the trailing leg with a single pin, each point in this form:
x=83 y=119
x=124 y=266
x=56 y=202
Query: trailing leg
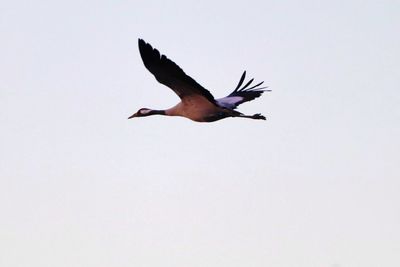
x=257 y=116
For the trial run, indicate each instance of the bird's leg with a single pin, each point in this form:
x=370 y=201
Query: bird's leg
x=257 y=116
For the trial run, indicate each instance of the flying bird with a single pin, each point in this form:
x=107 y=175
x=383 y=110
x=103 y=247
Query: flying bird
x=197 y=103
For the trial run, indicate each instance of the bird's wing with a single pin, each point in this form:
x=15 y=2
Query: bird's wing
x=170 y=74
x=241 y=95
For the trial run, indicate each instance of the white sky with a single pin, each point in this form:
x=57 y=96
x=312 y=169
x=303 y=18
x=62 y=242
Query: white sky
x=317 y=184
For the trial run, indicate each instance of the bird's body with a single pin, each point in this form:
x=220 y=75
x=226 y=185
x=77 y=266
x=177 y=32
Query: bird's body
x=197 y=108
x=197 y=103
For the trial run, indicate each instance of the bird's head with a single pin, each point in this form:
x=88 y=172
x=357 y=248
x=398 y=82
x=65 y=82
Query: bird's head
x=142 y=113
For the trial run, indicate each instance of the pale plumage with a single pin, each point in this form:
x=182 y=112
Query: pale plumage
x=197 y=103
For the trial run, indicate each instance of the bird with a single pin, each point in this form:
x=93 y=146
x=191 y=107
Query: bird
x=197 y=103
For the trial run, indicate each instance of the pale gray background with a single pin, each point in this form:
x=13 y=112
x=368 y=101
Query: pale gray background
x=317 y=184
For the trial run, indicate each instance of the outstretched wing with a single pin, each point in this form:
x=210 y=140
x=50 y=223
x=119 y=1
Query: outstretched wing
x=170 y=74
x=241 y=95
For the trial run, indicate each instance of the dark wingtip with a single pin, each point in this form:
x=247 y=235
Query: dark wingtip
x=149 y=55
x=141 y=42
x=241 y=81
x=144 y=46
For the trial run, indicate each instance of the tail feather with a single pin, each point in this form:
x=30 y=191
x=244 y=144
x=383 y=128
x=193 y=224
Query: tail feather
x=247 y=84
x=242 y=94
x=241 y=81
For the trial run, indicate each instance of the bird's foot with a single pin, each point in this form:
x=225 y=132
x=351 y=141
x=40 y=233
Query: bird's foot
x=258 y=116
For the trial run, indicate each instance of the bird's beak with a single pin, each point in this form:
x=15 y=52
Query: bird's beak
x=133 y=116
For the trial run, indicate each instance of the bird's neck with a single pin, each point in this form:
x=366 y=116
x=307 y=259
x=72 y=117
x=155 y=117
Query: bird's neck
x=157 y=112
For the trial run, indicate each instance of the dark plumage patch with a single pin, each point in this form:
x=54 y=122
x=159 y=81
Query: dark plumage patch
x=217 y=116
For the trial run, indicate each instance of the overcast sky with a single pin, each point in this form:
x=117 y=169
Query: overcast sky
x=316 y=184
